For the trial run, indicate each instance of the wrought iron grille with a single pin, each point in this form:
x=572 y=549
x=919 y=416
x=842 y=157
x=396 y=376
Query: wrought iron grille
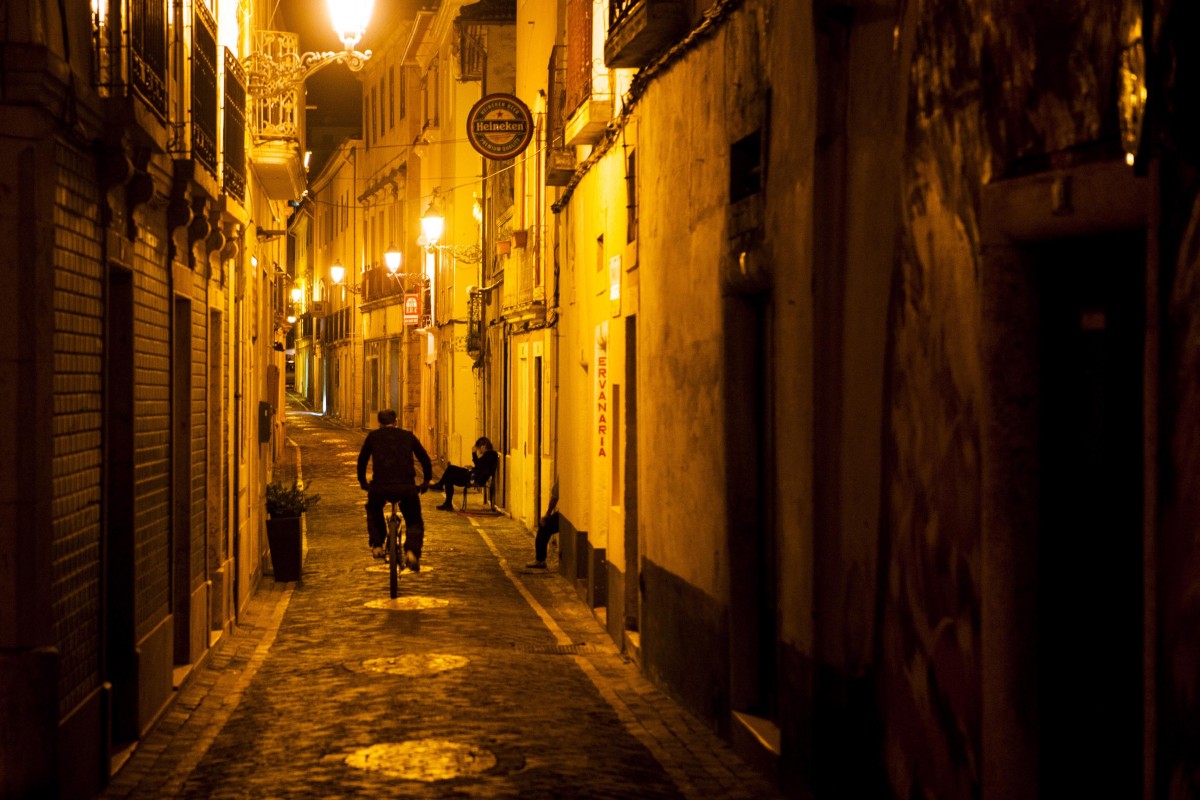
x=378 y=284
x=579 y=53
x=148 y=53
x=278 y=98
x=204 y=88
x=619 y=11
x=560 y=159
x=234 y=172
x=471 y=52
x=336 y=326
x=475 y=325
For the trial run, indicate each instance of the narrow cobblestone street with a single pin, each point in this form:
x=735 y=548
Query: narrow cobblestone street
x=483 y=679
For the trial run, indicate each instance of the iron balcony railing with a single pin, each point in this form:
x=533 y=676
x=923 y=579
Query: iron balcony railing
x=560 y=159
x=130 y=51
x=233 y=170
x=148 y=52
x=278 y=105
x=204 y=88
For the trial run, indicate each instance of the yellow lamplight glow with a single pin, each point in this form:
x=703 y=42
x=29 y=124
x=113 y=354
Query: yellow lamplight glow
x=337 y=273
x=432 y=226
x=297 y=294
x=392 y=259
x=350 y=18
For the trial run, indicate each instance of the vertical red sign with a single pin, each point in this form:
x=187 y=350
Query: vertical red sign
x=602 y=401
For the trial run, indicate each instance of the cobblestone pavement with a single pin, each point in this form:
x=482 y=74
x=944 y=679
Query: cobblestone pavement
x=483 y=679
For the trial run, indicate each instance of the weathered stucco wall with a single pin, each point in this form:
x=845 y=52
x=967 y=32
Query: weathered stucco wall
x=684 y=188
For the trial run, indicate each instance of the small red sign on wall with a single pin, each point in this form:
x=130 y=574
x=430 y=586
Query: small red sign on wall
x=412 y=309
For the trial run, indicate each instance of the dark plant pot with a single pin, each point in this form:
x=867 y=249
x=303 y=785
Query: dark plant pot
x=283 y=536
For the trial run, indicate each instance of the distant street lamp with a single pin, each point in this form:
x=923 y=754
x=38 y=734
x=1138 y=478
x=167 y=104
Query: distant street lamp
x=337 y=274
x=391 y=258
x=433 y=222
x=433 y=225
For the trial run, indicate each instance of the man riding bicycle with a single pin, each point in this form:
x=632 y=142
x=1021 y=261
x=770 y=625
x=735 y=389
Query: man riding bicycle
x=391 y=450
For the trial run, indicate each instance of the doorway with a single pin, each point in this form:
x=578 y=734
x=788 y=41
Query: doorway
x=1089 y=539
x=119 y=642
x=750 y=523
x=633 y=595
x=536 y=436
x=181 y=480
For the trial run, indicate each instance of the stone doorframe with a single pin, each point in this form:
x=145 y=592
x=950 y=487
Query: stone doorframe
x=1016 y=215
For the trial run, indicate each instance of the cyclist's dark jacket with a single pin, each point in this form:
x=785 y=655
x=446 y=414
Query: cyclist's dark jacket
x=391 y=451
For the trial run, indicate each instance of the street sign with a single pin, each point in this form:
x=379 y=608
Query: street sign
x=412 y=309
x=499 y=126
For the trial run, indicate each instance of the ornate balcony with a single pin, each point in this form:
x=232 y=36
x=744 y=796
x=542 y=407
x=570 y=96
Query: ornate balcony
x=523 y=294
x=638 y=30
x=560 y=160
x=587 y=91
x=277 y=114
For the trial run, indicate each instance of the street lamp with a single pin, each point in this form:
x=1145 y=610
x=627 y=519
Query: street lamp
x=350 y=18
x=275 y=67
x=433 y=222
x=391 y=258
x=433 y=225
x=337 y=274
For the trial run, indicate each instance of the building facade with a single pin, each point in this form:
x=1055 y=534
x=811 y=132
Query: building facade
x=144 y=348
x=858 y=336
x=870 y=379
x=338 y=277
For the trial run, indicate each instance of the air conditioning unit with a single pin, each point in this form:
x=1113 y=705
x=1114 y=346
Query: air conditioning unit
x=320 y=308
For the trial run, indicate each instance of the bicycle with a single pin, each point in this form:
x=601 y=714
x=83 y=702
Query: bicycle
x=394 y=521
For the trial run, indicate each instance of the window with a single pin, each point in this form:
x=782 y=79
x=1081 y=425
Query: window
x=403 y=94
x=471 y=52
x=431 y=88
x=579 y=53
x=204 y=89
x=374 y=112
x=391 y=97
x=745 y=167
x=234 y=134
x=631 y=211
x=148 y=46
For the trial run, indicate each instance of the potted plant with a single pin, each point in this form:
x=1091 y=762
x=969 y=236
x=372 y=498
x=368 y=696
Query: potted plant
x=288 y=501
x=285 y=506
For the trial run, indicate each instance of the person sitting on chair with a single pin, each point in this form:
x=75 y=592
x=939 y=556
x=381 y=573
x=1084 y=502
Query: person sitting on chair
x=486 y=461
x=547 y=527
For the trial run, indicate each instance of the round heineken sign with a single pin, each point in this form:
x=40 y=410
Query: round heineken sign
x=499 y=126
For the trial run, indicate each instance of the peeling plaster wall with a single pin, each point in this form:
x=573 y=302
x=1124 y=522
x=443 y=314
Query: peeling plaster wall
x=684 y=193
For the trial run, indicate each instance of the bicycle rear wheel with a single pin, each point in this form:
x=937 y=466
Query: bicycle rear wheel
x=393 y=525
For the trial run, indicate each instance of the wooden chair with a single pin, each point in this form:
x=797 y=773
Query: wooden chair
x=485 y=492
